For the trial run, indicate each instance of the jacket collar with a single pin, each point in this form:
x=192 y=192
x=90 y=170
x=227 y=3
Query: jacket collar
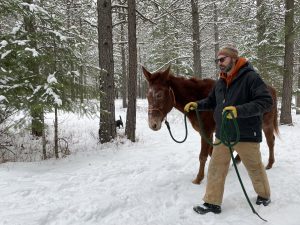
x=240 y=67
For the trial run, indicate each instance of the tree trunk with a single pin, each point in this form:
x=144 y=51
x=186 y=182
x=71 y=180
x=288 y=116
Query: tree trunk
x=36 y=110
x=286 y=105
x=55 y=107
x=140 y=74
x=37 y=114
x=123 y=56
x=82 y=85
x=298 y=89
x=44 y=141
x=216 y=36
x=107 y=130
x=124 y=76
x=261 y=36
x=196 y=39
x=132 y=77
x=56 y=133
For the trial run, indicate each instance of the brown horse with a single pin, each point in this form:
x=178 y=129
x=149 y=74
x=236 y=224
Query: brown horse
x=167 y=91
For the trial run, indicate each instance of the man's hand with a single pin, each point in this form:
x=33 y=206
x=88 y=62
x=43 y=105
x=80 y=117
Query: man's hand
x=232 y=109
x=190 y=106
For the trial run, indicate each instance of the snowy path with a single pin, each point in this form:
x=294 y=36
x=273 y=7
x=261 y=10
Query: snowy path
x=146 y=183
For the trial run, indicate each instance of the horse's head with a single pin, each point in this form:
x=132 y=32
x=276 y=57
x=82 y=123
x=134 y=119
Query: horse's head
x=160 y=97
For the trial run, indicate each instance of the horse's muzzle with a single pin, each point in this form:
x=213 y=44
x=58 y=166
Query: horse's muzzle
x=154 y=124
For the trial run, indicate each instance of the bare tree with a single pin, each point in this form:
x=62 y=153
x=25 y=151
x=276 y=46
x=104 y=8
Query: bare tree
x=216 y=35
x=56 y=133
x=107 y=130
x=196 y=39
x=132 y=77
x=298 y=87
x=122 y=17
x=261 y=36
x=124 y=70
x=286 y=116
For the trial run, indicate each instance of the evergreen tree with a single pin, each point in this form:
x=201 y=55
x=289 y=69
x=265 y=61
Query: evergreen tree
x=40 y=61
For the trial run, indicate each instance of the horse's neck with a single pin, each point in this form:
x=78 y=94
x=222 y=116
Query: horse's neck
x=184 y=92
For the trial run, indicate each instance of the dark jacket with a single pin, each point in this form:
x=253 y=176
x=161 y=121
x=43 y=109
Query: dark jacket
x=249 y=94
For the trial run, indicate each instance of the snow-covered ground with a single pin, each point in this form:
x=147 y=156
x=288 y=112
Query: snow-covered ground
x=142 y=183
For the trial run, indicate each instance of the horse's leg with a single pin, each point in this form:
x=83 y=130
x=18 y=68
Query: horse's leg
x=205 y=150
x=269 y=134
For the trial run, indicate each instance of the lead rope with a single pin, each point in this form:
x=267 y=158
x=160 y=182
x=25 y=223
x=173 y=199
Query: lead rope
x=225 y=139
x=186 y=130
x=185 y=123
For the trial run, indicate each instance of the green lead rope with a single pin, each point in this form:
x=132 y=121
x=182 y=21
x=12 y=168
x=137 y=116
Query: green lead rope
x=224 y=139
x=186 y=130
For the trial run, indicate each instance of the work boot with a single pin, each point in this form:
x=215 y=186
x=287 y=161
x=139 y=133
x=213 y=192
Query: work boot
x=264 y=201
x=207 y=208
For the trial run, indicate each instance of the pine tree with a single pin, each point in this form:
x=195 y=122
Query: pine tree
x=107 y=130
x=39 y=60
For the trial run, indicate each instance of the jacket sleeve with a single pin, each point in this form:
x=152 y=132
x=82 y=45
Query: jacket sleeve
x=208 y=103
x=260 y=100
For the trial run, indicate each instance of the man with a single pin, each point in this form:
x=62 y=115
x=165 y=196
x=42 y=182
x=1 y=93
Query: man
x=242 y=91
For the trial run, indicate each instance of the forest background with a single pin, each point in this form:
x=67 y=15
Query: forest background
x=78 y=56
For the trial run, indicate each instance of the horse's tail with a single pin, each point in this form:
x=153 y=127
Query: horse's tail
x=275 y=118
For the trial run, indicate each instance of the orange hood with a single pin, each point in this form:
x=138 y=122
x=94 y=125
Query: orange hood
x=229 y=77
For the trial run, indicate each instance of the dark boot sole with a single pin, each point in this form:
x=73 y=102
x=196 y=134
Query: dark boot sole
x=202 y=211
x=265 y=203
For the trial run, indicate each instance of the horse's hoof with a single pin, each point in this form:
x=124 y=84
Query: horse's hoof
x=196 y=181
x=268 y=167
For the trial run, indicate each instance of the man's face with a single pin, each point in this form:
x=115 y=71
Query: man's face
x=225 y=63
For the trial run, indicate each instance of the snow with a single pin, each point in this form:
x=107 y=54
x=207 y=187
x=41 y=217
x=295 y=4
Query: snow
x=34 y=8
x=51 y=79
x=3 y=70
x=36 y=90
x=3 y=43
x=3 y=55
x=49 y=91
x=143 y=183
x=3 y=98
x=76 y=73
x=16 y=28
x=21 y=42
x=33 y=51
x=58 y=34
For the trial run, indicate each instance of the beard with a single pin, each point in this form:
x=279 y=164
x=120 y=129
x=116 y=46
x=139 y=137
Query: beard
x=226 y=69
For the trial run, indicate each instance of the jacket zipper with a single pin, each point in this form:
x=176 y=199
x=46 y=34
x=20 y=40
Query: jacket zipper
x=225 y=95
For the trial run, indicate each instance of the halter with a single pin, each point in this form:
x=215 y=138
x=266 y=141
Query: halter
x=150 y=108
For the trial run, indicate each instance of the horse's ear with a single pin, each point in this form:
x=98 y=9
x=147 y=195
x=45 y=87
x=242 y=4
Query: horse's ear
x=147 y=74
x=167 y=72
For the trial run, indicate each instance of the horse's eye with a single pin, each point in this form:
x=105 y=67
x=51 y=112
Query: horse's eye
x=159 y=96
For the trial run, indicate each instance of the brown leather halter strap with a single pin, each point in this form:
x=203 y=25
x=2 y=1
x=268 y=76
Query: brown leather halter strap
x=171 y=92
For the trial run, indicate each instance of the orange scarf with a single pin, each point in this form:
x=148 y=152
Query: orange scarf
x=229 y=77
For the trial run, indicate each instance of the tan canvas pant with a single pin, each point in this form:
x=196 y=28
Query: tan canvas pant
x=218 y=167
